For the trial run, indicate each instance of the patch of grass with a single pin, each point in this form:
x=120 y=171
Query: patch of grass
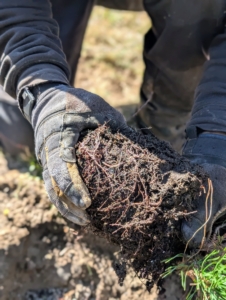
x=208 y=274
x=35 y=169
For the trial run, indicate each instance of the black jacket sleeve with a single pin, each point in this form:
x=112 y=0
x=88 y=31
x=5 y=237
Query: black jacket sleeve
x=209 y=110
x=30 y=49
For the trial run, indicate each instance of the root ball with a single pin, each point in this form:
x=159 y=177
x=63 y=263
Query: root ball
x=141 y=189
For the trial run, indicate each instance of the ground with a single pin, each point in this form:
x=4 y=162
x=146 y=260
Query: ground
x=39 y=250
x=111 y=64
x=40 y=256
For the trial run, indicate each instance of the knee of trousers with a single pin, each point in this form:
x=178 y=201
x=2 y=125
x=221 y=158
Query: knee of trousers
x=176 y=47
x=162 y=109
x=161 y=105
x=16 y=133
x=201 y=19
x=174 y=54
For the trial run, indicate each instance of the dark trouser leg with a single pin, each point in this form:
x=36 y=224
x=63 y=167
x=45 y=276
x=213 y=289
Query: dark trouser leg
x=174 y=54
x=72 y=17
x=16 y=134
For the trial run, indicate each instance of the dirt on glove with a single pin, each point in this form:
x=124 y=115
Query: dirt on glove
x=141 y=190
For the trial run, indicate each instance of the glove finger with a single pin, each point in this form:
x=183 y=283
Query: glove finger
x=65 y=207
x=193 y=228
x=77 y=185
x=75 y=215
x=68 y=180
x=199 y=227
x=193 y=232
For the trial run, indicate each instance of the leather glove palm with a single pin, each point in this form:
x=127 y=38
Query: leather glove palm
x=61 y=113
x=208 y=150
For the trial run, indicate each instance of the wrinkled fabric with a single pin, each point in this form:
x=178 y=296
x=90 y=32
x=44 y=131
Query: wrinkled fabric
x=29 y=36
x=175 y=51
x=209 y=111
x=206 y=148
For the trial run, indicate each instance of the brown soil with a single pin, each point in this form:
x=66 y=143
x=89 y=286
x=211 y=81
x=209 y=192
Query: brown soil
x=42 y=258
x=141 y=189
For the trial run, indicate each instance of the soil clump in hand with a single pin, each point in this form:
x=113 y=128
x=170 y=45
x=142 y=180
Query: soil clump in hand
x=141 y=190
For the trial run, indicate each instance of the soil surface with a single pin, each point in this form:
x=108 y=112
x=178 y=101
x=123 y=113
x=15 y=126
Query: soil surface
x=141 y=189
x=42 y=258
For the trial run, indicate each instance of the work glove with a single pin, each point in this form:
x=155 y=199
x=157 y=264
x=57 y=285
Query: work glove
x=209 y=151
x=58 y=114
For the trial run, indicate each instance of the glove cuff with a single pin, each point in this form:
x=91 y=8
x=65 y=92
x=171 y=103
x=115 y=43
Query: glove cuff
x=28 y=97
x=206 y=148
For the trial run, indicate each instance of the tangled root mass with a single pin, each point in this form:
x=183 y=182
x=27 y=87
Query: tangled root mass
x=141 y=189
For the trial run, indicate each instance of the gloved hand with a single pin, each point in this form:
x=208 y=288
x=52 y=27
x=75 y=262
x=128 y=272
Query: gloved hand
x=207 y=150
x=59 y=115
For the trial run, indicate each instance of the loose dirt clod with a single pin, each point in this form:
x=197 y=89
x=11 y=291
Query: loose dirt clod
x=141 y=189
